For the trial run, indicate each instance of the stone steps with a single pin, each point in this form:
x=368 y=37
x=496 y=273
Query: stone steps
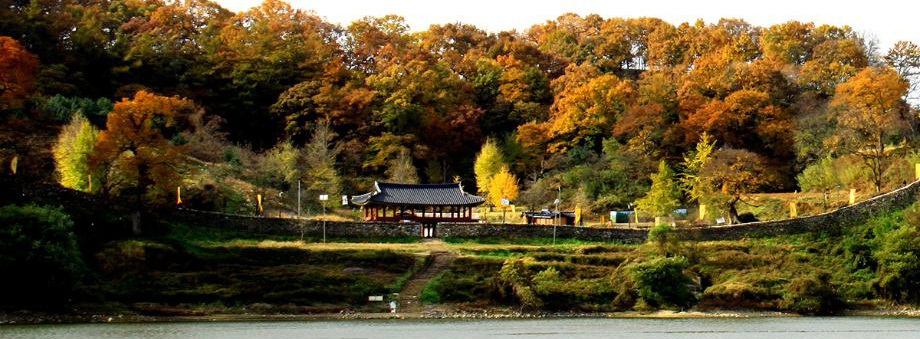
x=408 y=297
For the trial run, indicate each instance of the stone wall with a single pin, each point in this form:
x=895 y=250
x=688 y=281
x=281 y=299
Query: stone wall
x=830 y=221
x=511 y=231
x=294 y=226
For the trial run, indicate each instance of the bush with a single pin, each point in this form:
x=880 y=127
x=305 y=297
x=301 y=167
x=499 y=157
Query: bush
x=664 y=238
x=811 y=294
x=514 y=282
x=899 y=264
x=662 y=282
x=38 y=255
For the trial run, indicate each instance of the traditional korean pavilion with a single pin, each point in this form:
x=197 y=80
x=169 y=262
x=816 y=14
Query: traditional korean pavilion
x=423 y=203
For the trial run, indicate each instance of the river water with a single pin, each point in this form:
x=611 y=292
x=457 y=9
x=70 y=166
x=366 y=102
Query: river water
x=749 y=328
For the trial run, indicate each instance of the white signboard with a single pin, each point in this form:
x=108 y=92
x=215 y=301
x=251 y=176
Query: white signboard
x=375 y=298
x=323 y=197
x=506 y=202
x=720 y=220
x=344 y=200
x=556 y=202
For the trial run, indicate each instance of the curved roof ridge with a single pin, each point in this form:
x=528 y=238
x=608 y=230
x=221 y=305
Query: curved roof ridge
x=443 y=194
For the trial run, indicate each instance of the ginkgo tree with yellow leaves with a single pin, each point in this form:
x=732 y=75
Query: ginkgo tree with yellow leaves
x=504 y=185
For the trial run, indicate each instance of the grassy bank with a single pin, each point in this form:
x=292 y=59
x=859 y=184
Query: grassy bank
x=194 y=271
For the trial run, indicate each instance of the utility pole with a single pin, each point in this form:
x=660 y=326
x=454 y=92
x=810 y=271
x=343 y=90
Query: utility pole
x=298 y=198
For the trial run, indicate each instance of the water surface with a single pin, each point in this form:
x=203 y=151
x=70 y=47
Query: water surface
x=752 y=328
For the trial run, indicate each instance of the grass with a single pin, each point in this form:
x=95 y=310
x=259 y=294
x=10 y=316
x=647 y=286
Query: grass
x=802 y=272
x=430 y=293
x=194 y=266
x=537 y=241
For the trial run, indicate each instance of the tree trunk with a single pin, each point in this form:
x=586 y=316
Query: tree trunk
x=879 y=155
x=136 y=222
x=825 y=200
x=733 y=212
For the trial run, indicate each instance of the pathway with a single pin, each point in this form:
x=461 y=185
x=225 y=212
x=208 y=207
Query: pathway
x=440 y=260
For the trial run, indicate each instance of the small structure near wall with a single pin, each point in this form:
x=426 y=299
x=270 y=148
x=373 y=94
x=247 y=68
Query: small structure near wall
x=427 y=204
x=549 y=218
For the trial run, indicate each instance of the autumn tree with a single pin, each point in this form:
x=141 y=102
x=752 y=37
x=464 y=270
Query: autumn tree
x=503 y=185
x=820 y=176
x=489 y=162
x=282 y=165
x=664 y=195
x=320 y=155
x=136 y=149
x=402 y=170
x=71 y=154
x=735 y=173
x=904 y=57
x=691 y=180
x=17 y=73
x=868 y=113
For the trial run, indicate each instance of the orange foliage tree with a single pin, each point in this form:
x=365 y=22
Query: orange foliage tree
x=17 y=73
x=869 y=112
x=133 y=150
x=736 y=173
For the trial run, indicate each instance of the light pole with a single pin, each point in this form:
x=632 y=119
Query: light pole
x=558 y=215
x=628 y=219
x=322 y=199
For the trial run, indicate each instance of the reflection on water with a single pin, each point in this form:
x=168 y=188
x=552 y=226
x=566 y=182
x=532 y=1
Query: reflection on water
x=849 y=327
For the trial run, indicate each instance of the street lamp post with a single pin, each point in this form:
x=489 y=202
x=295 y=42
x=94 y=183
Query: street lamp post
x=559 y=216
x=322 y=199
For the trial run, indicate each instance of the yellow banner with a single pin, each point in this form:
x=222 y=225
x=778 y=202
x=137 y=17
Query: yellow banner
x=178 y=195
x=259 y=199
x=793 y=211
x=918 y=171
x=702 y=212
x=577 y=215
x=852 y=196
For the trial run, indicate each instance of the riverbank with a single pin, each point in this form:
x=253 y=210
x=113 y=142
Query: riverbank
x=28 y=317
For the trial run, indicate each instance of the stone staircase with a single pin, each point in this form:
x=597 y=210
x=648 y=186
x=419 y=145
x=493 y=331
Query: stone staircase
x=408 y=297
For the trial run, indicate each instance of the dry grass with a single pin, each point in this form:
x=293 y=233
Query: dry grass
x=413 y=247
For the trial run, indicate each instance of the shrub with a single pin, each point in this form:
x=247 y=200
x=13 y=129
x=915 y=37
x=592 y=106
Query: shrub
x=664 y=238
x=514 y=281
x=899 y=264
x=811 y=294
x=38 y=255
x=662 y=282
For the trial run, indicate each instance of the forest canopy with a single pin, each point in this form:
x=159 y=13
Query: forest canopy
x=585 y=105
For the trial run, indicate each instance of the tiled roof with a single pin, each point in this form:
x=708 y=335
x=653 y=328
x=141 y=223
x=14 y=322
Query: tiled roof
x=418 y=194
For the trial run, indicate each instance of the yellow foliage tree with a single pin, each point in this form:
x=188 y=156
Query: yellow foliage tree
x=504 y=185
x=488 y=163
x=72 y=151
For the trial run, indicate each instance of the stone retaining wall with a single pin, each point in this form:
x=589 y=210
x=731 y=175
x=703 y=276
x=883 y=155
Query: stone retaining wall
x=511 y=231
x=295 y=226
x=829 y=221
